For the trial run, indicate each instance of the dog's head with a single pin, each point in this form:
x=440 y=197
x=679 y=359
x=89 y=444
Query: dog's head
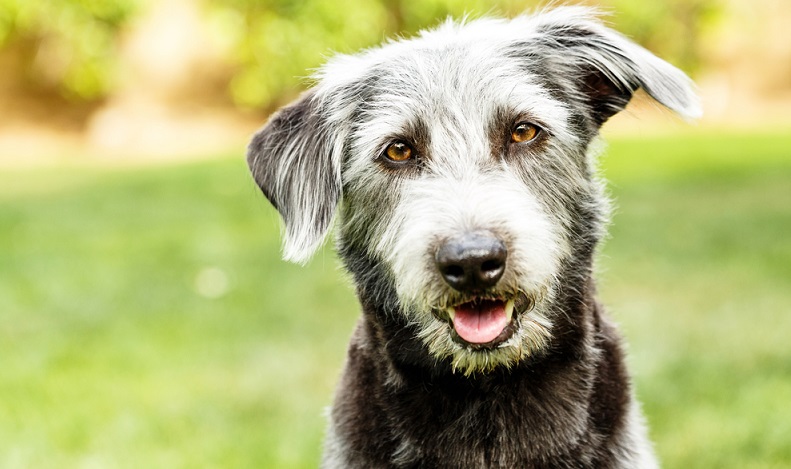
x=459 y=160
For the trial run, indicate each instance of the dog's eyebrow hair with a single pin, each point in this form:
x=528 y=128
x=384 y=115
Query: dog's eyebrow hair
x=418 y=130
x=415 y=130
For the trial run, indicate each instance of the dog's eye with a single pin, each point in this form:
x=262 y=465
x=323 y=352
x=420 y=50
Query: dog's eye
x=524 y=132
x=399 y=151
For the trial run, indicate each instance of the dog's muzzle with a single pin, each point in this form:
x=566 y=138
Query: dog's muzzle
x=472 y=264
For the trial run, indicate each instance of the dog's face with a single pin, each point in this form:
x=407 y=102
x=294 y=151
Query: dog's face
x=460 y=162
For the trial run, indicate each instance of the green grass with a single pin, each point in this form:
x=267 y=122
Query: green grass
x=698 y=272
x=147 y=321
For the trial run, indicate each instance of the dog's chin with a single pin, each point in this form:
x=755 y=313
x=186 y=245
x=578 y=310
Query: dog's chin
x=480 y=334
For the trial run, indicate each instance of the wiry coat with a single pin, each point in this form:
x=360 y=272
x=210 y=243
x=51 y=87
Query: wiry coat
x=552 y=390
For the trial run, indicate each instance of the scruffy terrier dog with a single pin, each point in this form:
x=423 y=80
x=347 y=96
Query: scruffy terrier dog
x=458 y=169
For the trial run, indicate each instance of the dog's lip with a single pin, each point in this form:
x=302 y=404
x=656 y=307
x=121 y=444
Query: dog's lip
x=513 y=307
x=520 y=301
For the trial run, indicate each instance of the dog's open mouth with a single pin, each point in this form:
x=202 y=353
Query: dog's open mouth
x=486 y=322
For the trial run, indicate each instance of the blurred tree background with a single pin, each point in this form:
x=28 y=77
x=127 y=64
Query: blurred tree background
x=100 y=69
x=63 y=46
x=279 y=40
x=70 y=46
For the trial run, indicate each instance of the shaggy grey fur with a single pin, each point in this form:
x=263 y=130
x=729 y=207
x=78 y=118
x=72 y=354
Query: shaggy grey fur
x=551 y=390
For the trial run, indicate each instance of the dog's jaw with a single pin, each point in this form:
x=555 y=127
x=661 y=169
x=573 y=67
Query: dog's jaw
x=527 y=333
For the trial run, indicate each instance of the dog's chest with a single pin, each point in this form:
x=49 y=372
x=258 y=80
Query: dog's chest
x=493 y=426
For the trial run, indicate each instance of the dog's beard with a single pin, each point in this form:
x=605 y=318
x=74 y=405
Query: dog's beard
x=527 y=332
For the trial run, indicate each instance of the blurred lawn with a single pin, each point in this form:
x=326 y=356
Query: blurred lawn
x=147 y=321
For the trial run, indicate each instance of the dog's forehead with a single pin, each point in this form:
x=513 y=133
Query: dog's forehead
x=466 y=79
x=454 y=89
x=484 y=60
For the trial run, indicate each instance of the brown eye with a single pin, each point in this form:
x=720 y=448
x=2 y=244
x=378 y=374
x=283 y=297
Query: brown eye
x=524 y=132
x=399 y=151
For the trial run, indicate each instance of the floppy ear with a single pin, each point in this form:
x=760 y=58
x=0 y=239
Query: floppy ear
x=609 y=68
x=296 y=164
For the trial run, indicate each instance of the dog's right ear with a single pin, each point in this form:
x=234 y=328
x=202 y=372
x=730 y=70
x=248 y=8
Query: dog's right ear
x=608 y=67
x=296 y=164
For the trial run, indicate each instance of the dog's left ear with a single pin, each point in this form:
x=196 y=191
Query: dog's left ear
x=608 y=67
x=295 y=161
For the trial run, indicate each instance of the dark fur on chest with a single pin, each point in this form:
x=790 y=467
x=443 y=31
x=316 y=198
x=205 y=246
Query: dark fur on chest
x=398 y=407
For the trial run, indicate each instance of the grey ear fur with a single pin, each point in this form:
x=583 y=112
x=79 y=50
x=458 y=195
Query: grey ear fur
x=295 y=162
x=613 y=67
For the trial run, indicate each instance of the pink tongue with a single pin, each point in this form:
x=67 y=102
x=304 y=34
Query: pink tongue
x=480 y=322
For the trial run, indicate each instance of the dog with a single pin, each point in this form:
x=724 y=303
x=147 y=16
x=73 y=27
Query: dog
x=458 y=171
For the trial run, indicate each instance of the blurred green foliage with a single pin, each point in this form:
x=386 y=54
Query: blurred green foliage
x=274 y=44
x=278 y=41
x=66 y=44
x=673 y=29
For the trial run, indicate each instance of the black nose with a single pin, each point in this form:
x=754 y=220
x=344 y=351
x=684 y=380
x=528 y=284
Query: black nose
x=473 y=261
